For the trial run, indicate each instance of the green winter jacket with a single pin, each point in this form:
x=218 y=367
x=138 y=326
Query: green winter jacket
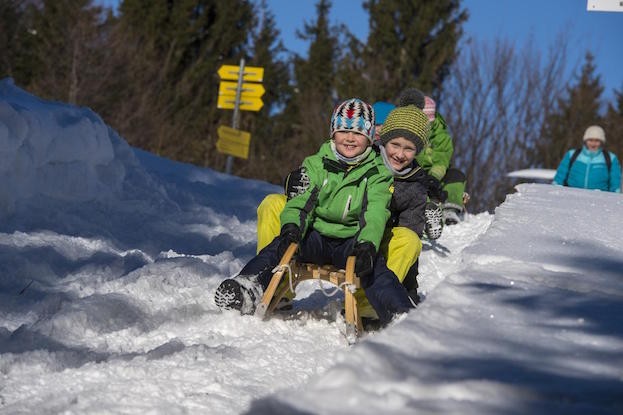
x=435 y=158
x=342 y=201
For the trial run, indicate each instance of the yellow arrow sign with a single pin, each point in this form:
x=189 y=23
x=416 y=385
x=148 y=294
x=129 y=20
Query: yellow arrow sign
x=227 y=102
x=251 y=73
x=233 y=142
x=248 y=89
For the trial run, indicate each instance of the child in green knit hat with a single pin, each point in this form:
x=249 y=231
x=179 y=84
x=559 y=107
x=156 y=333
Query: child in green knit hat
x=436 y=160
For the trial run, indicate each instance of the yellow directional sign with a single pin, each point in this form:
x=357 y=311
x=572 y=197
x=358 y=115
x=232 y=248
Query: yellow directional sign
x=233 y=142
x=251 y=73
x=248 y=89
x=227 y=102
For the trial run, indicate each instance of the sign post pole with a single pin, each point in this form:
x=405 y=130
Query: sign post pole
x=242 y=95
x=236 y=119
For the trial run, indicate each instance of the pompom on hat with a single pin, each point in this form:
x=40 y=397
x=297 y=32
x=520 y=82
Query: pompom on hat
x=409 y=122
x=353 y=115
x=412 y=96
x=596 y=132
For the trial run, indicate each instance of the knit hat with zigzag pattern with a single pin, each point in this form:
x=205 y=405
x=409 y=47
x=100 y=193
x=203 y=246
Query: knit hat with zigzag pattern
x=353 y=115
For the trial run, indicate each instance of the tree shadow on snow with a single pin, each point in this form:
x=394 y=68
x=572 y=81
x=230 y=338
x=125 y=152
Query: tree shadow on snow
x=595 y=259
x=538 y=387
x=436 y=247
x=581 y=302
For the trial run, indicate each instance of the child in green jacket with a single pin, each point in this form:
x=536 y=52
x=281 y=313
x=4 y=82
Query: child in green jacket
x=343 y=212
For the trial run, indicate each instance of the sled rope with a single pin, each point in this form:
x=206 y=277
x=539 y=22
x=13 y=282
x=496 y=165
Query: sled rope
x=345 y=285
x=287 y=268
x=350 y=287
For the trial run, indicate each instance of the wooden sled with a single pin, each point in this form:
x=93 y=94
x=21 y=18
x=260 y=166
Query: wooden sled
x=345 y=279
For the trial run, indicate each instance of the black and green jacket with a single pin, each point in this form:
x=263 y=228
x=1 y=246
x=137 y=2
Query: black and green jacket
x=409 y=200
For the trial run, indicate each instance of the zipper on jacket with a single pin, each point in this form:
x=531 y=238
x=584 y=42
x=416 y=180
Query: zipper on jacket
x=588 y=170
x=347 y=207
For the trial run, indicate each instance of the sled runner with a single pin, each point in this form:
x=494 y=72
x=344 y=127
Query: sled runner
x=297 y=272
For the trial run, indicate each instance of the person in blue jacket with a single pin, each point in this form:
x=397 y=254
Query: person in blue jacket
x=590 y=167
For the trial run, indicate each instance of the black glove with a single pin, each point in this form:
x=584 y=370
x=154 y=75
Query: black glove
x=296 y=183
x=434 y=188
x=290 y=233
x=364 y=253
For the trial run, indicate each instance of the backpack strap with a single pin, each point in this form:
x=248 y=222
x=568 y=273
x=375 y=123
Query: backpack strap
x=608 y=164
x=608 y=160
x=574 y=156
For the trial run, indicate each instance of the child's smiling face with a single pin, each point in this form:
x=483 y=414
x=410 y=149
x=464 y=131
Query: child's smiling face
x=400 y=152
x=350 y=144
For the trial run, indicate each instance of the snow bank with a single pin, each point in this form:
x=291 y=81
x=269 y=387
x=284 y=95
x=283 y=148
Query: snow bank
x=525 y=325
x=65 y=170
x=56 y=150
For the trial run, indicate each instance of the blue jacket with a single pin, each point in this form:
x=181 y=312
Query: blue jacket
x=590 y=171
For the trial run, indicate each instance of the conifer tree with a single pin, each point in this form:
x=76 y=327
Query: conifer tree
x=564 y=128
x=313 y=99
x=410 y=43
x=266 y=140
x=613 y=125
x=55 y=54
x=168 y=54
x=16 y=42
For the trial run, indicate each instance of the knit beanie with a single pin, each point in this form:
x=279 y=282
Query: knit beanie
x=381 y=109
x=595 y=131
x=353 y=115
x=429 y=108
x=409 y=122
x=412 y=96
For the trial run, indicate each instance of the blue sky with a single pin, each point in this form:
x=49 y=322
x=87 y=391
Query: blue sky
x=519 y=20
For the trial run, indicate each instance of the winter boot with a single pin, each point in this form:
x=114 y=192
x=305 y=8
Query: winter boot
x=434 y=220
x=452 y=213
x=242 y=293
x=410 y=283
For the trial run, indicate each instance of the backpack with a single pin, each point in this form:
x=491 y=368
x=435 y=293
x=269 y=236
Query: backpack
x=575 y=155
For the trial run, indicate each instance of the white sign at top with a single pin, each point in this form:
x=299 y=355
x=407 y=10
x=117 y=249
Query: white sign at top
x=604 y=5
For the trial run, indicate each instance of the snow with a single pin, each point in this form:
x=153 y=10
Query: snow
x=109 y=258
x=538 y=174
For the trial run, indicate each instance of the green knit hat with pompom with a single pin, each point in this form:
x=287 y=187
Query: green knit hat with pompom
x=409 y=122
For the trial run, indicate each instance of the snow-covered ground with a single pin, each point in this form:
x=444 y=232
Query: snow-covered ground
x=109 y=258
x=534 y=174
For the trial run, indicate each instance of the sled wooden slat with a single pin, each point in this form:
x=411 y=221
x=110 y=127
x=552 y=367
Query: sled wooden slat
x=261 y=309
x=305 y=271
x=350 y=302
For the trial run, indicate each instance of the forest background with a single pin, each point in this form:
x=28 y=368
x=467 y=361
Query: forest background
x=150 y=70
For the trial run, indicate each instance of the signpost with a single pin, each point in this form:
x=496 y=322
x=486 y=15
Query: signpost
x=241 y=95
x=246 y=103
x=604 y=5
x=250 y=73
x=248 y=89
x=233 y=142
